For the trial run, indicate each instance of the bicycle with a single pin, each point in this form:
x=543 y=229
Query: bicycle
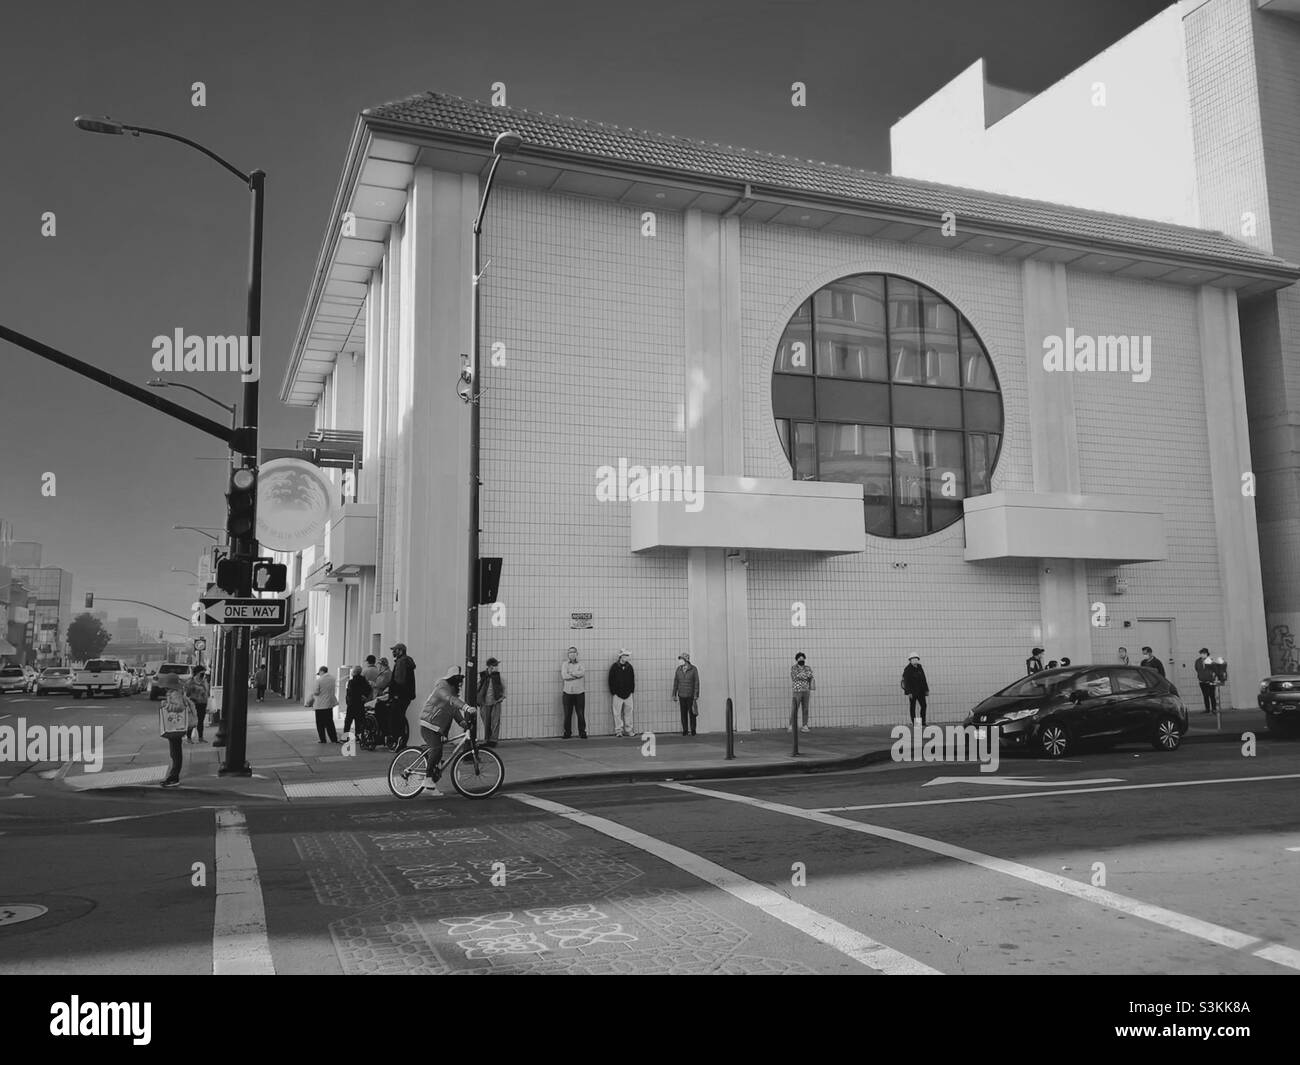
x=476 y=772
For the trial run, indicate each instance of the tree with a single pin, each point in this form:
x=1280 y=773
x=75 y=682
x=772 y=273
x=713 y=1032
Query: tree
x=87 y=637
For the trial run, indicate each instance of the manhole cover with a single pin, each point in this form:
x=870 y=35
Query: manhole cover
x=18 y=912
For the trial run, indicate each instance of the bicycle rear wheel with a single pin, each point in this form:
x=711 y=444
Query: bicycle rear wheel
x=478 y=773
x=407 y=773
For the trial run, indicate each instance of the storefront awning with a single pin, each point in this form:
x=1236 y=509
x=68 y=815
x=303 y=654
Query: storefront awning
x=294 y=635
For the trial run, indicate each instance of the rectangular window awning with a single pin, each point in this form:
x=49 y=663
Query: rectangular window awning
x=1060 y=525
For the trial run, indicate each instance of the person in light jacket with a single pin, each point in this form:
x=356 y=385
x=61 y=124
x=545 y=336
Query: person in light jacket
x=572 y=674
x=196 y=690
x=916 y=686
x=323 y=700
x=175 y=716
x=686 y=690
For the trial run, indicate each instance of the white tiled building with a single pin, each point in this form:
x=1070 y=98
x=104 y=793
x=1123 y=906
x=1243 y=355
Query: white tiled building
x=606 y=340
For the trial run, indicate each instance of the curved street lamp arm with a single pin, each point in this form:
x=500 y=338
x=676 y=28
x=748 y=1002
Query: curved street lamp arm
x=137 y=130
x=229 y=408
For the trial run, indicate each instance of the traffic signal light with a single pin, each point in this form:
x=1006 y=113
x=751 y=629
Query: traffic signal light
x=241 y=500
x=90 y=600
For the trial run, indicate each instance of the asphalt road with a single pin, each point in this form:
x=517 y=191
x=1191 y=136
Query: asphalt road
x=1122 y=862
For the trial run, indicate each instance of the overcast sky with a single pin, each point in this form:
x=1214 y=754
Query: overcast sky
x=151 y=236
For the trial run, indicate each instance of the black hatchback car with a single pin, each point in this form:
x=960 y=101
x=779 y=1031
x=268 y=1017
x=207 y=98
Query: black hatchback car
x=1057 y=710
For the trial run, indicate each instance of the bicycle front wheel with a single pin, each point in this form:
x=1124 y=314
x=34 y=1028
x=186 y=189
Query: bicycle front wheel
x=478 y=773
x=408 y=773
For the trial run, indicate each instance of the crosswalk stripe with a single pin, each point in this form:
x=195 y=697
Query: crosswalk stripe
x=1179 y=922
x=239 y=942
x=826 y=930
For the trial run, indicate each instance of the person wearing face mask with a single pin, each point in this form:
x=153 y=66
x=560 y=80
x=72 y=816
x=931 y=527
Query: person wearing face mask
x=802 y=685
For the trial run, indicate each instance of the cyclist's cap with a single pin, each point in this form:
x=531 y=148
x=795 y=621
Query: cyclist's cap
x=493 y=661
x=1036 y=651
x=1203 y=651
x=914 y=655
x=623 y=652
x=453 y=674
x=398 y=647
x=574 y=649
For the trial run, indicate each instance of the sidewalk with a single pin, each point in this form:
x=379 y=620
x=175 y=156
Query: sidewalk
x=288 y=761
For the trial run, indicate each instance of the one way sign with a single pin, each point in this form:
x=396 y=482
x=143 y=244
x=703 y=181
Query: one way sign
x=245 y=611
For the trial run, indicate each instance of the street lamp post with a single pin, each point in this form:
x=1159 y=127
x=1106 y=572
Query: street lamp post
x=505 y=143
x=235 y=696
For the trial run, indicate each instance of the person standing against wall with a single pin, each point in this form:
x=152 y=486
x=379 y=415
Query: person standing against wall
x=1150 y=661
x=356 y=696
x=622 y=683
x=802 y=685
x=916 y=686
x=686 y=690
x=572 y=674
x=1123 y=656
x=491 y=691
x=1204 y=667
x=1034 y=663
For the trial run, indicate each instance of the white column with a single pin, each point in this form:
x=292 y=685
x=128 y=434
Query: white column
x=1062 y=583
x=713 y=391
x=1241 y=585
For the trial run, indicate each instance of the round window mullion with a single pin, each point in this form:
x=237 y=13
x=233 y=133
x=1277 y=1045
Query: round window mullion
x=853 y=314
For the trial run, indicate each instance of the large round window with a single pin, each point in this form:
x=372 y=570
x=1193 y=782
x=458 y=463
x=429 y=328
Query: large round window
x=881 y=382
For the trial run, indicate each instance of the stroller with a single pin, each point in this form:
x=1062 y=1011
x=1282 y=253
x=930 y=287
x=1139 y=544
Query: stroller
x=371 y=733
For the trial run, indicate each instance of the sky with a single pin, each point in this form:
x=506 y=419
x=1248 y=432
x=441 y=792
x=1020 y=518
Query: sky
x=150 y=236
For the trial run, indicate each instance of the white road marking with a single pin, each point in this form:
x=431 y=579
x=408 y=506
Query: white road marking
x=1017 y=782
x=1293 y=848
x=848 y=941
x=1044 y=794
x=136 y=817
x=2 y=797
x=239 y=943
x=1179 y=922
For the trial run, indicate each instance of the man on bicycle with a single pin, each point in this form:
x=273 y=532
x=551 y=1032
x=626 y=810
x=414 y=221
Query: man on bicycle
x=442 y=707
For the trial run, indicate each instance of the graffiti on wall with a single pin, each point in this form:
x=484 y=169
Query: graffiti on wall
x=1283 y=653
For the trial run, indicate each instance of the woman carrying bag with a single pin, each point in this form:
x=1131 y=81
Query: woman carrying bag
x=176 y=716
x=916 y=686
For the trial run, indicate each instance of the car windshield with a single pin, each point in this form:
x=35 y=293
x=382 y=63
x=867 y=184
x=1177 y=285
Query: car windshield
x=11 y=671
x=55 y=673
x=1039 y=685
x=174 y=669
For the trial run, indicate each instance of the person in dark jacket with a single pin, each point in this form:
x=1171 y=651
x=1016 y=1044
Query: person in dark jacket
x=686 y=690
x=1150 y=661
x=491 y=691
x=916 y=686
x=622 y=683
x=1034 y=663
x=356 y=696
x=401 y=692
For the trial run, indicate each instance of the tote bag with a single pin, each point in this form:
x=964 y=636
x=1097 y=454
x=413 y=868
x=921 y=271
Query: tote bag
x=175 y=714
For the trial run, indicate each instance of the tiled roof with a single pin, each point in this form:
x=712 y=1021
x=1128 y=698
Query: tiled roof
x=656 y=153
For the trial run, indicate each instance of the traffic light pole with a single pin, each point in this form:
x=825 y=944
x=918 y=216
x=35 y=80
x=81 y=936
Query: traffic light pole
x=235 y=694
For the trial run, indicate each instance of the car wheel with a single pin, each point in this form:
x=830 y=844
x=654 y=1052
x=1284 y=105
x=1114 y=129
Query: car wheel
x=1054 y=739
x=1166 y=736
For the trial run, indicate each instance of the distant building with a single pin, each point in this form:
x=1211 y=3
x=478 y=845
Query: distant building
x=52 y=588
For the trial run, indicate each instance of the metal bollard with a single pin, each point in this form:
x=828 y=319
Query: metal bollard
x=794 y=730
x=731 y=731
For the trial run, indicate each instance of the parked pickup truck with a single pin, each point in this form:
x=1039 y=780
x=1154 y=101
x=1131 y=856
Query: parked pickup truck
x=101 y=676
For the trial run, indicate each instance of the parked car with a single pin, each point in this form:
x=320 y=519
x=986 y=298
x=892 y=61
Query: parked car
x=13 y=679
x=1279 y=698
x=1057 y=710
x=183 y=668
x=100 y=676
x=54 y=679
